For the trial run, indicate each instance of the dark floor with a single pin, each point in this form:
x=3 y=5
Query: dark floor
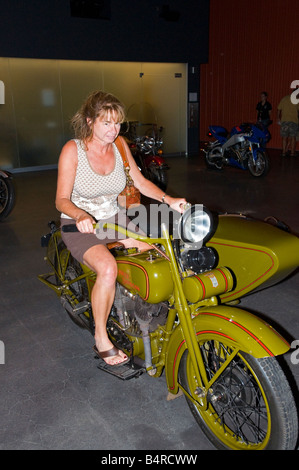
x=52 y=395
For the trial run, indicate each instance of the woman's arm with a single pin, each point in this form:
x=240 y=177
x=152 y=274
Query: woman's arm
x=149 y=189
x=67 y=167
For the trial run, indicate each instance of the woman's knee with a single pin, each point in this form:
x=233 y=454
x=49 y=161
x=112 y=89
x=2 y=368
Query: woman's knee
x=100 y=260
x=107 y=272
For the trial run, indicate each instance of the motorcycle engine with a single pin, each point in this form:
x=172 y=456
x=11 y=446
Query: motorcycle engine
x=239 y=152
x=134 y=313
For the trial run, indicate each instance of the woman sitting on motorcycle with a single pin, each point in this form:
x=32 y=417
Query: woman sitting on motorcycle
x=90 y=178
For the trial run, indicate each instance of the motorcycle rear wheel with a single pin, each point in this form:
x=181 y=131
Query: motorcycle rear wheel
x=250 y=406
x=79 y=288
x=260 y=166
x=7 y=197
x=214 y=159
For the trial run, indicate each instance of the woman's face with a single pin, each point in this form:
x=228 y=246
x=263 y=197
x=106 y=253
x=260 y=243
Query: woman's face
x=106 y=128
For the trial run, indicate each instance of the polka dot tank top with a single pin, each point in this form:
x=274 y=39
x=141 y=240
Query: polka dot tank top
x=95 y=193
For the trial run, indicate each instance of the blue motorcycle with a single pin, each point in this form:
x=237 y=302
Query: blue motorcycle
x=244 y=148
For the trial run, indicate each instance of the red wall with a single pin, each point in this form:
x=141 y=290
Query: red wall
x=254 y=47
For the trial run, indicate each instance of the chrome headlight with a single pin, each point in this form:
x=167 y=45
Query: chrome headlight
x=196 y=226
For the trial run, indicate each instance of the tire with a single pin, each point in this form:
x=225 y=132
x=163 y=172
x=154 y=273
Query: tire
x=7 y=197
x=79 y=289
x=261 y=166
x=250 y=406
x=214 y=159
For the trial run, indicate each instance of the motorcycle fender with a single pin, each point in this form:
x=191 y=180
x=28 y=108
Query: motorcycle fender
x=156 y=160
x=236 y=327
x=5 y=174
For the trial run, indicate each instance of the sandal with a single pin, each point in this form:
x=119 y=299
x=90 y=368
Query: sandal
x=110 y=353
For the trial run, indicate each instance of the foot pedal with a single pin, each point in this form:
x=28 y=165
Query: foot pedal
x=123 y=371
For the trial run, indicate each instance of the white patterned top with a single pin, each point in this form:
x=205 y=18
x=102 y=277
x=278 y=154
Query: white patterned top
x=95 y=193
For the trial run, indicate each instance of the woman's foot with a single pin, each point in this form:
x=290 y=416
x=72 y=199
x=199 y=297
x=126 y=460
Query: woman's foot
x=112 y=356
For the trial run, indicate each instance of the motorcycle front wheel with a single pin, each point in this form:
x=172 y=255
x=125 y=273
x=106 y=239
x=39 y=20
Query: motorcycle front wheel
x=7 y=197
x=260 y=166
x=250 y=406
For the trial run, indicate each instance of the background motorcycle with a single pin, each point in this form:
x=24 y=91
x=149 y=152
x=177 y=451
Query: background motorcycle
x=173 y=311
x=7 y=194
x=243 y=148
x=144 y=139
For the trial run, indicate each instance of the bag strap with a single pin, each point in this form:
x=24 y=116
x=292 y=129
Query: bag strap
x=119 y=142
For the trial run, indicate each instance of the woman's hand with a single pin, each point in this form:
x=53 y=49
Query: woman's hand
x=85 y=223
x=177 y=204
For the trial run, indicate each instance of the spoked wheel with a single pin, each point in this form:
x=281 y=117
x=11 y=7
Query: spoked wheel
x=214 y=158
x=260 y=166
x=78 y=289
x=7 y=197
x=249 y=406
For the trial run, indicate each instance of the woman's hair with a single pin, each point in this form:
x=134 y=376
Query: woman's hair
x=97 y=104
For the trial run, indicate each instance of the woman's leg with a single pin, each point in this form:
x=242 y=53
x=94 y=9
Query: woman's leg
x=100 y=260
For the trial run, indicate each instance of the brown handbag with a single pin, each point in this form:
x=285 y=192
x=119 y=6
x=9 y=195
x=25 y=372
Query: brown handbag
x=130 y=195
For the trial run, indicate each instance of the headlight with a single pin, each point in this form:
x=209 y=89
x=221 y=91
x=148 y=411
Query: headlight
x=196 y=226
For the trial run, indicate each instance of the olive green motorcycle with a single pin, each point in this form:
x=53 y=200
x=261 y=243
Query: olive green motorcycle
x=175 y=310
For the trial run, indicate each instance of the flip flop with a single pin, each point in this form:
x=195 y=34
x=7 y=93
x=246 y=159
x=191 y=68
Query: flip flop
x=110 y=353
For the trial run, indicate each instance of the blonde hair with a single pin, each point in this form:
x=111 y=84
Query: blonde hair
x=97 y=104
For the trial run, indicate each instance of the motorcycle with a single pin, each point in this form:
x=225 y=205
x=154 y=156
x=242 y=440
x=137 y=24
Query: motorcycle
x=7 y=194
x=243 y=148
x=145 y=142
x=175 y=311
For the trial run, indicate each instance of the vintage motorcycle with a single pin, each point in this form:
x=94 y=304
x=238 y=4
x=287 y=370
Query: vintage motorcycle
x=175 y=311
x=243 y=147
x=144 y=139
x=7 y=194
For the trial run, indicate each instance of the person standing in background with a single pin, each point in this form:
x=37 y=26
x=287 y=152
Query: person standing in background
x=264 y=110
x=287 y=118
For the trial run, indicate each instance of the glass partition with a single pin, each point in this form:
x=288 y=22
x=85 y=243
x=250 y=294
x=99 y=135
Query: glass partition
x=41 y=96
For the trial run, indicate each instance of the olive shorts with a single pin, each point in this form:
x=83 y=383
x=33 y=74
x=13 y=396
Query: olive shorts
x=78 y=243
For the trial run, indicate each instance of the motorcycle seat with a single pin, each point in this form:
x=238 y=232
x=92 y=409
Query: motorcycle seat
x=219 y=130
x=113 y=245
x=223 y=133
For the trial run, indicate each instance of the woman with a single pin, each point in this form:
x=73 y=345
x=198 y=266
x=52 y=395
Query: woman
x=90 y=178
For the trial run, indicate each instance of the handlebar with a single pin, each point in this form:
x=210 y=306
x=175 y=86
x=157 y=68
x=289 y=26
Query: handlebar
x=69 y=228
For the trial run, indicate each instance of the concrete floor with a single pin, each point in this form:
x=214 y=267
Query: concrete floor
x=52 y=395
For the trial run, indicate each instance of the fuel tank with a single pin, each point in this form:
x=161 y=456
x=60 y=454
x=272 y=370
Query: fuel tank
x=147 y=275
x=233 y=140
x=258 y=253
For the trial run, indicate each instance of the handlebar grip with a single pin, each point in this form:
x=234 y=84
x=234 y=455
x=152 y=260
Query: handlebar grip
x=69 y=228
